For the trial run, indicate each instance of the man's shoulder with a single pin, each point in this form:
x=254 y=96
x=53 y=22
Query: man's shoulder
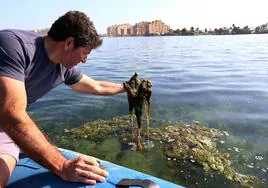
x=23 y=36
x=21 y=43
x=17 y=51
x=19 y=32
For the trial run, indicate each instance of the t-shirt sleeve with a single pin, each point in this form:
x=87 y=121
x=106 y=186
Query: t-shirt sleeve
x=72 y=76
x=12 y=57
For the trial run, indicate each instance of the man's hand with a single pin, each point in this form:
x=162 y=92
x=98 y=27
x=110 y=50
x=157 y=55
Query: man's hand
x=132 y=85
x=83 y=169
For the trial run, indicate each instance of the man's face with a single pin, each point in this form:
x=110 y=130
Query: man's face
x=75 y=55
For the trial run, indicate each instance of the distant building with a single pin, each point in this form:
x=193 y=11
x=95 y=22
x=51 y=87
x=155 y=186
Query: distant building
x=125 y=30
x=111 y=31
x=156 y=27
x=141 y=28
x=120 y=30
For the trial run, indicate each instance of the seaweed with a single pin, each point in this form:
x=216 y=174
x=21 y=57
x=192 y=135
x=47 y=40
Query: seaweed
x=139 y=93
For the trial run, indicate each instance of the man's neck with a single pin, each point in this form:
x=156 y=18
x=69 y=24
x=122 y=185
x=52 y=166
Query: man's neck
x=53 y=50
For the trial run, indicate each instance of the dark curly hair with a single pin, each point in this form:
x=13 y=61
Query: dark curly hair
x=77 y=25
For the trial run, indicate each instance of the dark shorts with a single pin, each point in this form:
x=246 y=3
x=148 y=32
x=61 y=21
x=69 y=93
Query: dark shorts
x=7 y=146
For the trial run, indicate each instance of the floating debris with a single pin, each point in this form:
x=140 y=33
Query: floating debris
x=250 y=166
x=226 y=133
x=171 y=140
x=133 y=146
x=187 y=125
x=131 y=143
x=259 y=158
x=195 y=122
x=236 y=149
x=148 y=144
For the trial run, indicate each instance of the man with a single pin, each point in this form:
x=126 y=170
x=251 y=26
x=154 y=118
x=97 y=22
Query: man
x=30 y=66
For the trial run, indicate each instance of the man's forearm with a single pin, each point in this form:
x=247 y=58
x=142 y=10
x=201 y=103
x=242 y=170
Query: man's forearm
x=32 y=142
x=109 y=88
x=90 y=86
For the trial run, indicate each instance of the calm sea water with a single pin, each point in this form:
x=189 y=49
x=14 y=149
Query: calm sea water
x=221 y=81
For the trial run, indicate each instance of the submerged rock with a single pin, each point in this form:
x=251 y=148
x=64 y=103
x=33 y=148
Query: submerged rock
x=186 y=146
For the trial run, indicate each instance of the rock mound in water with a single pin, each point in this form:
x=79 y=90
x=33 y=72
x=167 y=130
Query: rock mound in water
x=184 y=145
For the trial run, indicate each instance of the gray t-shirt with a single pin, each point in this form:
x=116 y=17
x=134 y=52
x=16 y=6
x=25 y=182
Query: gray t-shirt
x=23 y=57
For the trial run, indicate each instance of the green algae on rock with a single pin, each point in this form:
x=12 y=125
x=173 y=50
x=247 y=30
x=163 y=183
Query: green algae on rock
x=197 y=144
x=192 y=145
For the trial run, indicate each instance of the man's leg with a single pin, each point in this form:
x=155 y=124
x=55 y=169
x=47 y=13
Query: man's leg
x=9 y=154
x=7 y=164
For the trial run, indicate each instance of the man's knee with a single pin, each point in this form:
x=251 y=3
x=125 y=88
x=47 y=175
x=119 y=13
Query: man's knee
x=7 y=164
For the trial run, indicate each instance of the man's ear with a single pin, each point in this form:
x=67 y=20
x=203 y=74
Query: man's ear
x=69 y=44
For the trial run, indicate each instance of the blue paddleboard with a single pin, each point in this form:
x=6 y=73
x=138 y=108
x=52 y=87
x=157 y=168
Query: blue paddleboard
x=28 y=173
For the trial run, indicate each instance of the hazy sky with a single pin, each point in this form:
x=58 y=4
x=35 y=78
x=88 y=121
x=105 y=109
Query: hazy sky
x=32 y=14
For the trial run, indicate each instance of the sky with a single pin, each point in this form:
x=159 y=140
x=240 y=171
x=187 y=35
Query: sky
x=38 y=14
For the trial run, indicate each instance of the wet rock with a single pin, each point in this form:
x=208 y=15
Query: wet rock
x=194 y=146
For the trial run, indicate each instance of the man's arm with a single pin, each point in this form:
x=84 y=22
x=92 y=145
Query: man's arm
x=90 y=86
x=15 y=121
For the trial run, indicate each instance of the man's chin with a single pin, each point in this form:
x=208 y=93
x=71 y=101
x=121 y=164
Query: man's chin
x=68 y=66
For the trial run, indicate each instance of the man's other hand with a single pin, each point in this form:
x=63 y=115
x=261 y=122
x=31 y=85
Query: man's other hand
x=84 y=169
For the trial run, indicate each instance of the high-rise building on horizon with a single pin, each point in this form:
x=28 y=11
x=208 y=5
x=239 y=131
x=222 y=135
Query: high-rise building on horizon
x=158 y=27
x=143 y=28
